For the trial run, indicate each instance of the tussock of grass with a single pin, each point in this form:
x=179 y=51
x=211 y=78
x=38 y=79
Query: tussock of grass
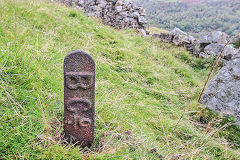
x=146 y=91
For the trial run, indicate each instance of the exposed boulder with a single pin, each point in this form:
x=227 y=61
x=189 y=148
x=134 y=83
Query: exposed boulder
x=213 y=37
x=142 y=20
x=177 y=31
x=215 y=49
x=181 y=40
x=223 y=92
x=177 y=36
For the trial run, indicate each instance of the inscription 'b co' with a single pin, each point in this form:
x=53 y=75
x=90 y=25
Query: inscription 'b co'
x=79 y=93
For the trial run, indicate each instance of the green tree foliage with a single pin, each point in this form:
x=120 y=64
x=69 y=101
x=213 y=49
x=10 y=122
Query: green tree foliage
x=194 y=17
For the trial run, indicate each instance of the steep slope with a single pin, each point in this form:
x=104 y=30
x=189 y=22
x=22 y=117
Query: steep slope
x=146 y=91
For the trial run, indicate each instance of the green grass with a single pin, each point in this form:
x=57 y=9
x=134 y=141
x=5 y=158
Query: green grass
x=146 y=91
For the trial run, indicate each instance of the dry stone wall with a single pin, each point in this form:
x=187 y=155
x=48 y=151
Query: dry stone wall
x=117 y=13
x=209 y=43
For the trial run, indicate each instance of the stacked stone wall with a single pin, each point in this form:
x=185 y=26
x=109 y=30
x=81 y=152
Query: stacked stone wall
x=121 y=14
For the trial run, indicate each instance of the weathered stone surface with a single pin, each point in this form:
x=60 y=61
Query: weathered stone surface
x=118 y=8
x=117 y=13
x=119 y=3
x=215 y=49
x=177 y=31
x=79 y=94
x=181 y=40
x=135 y=14
x=142 y=20
x=213 y=37
x=223 y=92
x=229 y=52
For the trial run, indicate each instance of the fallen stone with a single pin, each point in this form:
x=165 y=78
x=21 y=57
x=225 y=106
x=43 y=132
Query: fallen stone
x=118 y=8
x=229 y=52
x=136 y=14
x=181 y=40
x=142 y=20
x=119 y=3
x=215 y=49
x=213 y=37
x=177 y=31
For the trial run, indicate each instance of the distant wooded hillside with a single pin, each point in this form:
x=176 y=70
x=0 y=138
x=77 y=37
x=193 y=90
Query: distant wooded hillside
x=194 y=17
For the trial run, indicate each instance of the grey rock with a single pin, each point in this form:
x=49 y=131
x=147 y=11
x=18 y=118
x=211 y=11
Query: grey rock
x=229 y=51
x=80 y=3
x=181 y=40
x=177 y=31
x=142 y=20
x=123 y=14
x=192 y=39
x=223 y=92
x=118 y=8
x=136 y=14
x=213 y=37
x=126 y=20
x=119 y=3
x=215 y=49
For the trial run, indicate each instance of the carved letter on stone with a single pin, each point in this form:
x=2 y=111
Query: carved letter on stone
x=79 y=93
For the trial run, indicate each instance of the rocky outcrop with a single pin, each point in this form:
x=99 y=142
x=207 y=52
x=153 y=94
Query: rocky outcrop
x=215 y=49
x=223 y=92
x=117 y=13
x=182 y=40
x=213 y=37
x=209 y=43
x=176 y=31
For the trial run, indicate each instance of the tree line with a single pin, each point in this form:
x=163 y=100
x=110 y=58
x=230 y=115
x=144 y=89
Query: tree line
x=211 y=15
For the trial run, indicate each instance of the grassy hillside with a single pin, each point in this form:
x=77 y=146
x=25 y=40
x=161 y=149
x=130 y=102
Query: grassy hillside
x=146 y=91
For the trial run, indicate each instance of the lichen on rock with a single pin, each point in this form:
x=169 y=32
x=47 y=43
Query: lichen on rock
x=223 y=92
